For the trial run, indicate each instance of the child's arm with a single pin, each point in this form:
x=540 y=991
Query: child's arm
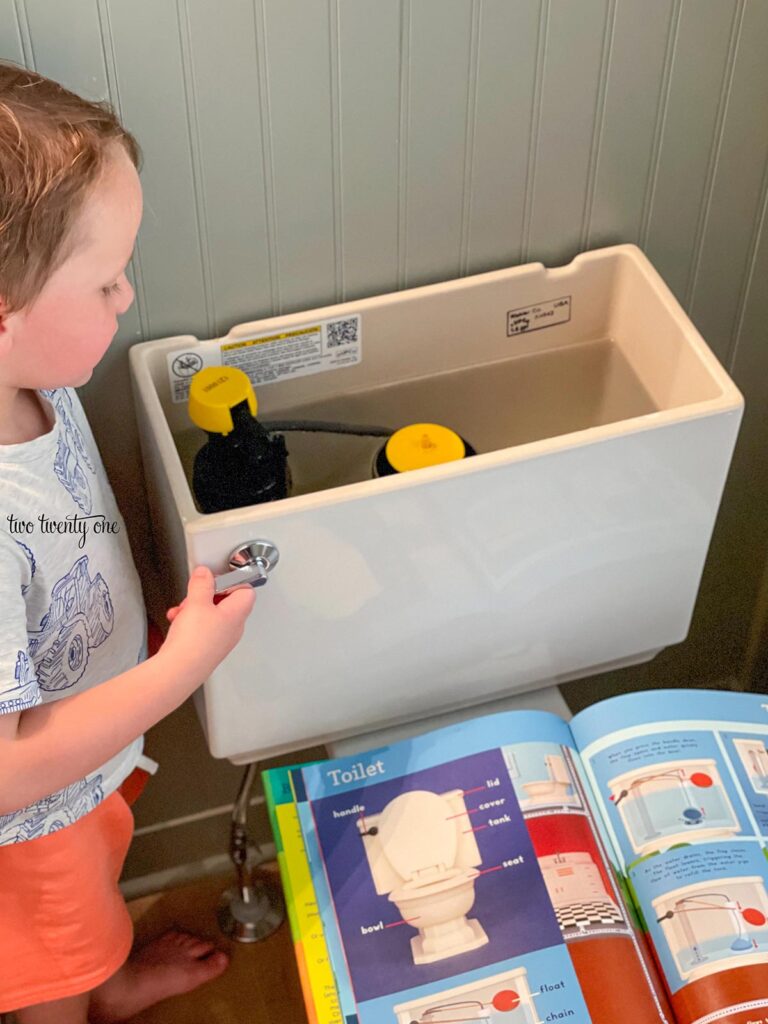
x=53 y=745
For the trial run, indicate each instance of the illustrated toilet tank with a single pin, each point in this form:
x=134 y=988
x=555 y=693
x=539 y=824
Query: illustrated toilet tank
x=572 y=542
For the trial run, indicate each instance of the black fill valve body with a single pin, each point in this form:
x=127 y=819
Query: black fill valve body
x=241 y=463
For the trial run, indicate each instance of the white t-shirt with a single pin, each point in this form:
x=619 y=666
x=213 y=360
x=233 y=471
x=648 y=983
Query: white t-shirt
x=71 y=608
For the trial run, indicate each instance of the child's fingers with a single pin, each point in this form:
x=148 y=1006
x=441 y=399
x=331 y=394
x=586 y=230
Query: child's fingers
x=237 y=603
x=200 y=586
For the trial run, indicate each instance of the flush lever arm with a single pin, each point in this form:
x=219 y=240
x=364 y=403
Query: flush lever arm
x=250 y=564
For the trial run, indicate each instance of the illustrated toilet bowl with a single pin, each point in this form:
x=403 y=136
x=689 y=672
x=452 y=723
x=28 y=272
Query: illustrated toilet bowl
x=438 y=907
x=423 y=856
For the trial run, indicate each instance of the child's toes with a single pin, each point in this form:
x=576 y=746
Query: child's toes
x=211 y=966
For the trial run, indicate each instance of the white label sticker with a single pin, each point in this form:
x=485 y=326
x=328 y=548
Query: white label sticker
x=273 y=356
x=535 y=318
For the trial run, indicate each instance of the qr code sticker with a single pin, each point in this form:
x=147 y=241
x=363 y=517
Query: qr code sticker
x=343 y=332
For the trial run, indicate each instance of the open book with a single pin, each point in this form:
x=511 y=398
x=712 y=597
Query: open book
x=515 y=869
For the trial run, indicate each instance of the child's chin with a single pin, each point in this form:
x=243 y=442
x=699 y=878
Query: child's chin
x=81 y=379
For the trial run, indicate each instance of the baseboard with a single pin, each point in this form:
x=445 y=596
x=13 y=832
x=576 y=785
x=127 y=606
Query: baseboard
x=183 y=874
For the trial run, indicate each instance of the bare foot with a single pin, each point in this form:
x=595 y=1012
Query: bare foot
x=174 y=963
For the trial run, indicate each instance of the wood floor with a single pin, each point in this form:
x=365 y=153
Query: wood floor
x=261 y=985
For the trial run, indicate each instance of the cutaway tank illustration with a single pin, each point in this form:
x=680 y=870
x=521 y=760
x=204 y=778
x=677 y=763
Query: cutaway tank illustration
x=672 y=802
x=505 y=998
x=714 y=926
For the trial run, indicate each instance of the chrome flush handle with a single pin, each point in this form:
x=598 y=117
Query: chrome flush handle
x=250 y=564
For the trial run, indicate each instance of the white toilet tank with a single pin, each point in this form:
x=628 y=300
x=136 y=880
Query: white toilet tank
x=572 y=542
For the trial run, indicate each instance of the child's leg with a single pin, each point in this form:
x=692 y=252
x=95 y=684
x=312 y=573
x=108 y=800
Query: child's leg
x=61 y=1011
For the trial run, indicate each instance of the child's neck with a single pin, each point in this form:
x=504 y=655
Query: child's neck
x=22 y=416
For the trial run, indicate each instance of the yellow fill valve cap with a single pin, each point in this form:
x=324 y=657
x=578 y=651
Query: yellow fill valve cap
x=214 y=392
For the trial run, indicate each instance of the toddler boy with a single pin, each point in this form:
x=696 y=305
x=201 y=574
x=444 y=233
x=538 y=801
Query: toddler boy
x=76 y=689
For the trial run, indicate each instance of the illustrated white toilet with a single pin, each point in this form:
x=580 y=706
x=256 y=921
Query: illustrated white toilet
x=553 y=789
x=422 y=855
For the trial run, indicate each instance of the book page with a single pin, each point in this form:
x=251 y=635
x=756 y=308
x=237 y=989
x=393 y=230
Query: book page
x=681 y=780
x=462 y=876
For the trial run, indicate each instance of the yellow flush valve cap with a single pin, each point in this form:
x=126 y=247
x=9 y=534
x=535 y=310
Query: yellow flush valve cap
x=214 y=392
x=423 y=444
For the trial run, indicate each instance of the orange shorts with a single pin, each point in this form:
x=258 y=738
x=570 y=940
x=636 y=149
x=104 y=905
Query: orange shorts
x=64 y=926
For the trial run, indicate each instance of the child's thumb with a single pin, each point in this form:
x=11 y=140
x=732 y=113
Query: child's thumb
x=200 y=584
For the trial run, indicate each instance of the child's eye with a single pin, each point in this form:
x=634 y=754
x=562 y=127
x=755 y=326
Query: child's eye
x=111 y=289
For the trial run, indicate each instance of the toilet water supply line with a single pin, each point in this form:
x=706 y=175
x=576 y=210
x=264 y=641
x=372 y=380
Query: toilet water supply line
x=238 y=835
x=733 y=908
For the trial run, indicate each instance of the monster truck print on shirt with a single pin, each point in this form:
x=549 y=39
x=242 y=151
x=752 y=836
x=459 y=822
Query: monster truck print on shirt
x=53 y=812
x=79 y=618
x=72 y=458
x=24 y=693
x=32 y=564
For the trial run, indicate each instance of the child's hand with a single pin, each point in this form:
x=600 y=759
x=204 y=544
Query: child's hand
x=204 y=631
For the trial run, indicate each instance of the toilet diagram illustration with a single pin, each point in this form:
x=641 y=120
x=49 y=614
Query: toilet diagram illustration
x=505 y=998
x=422 y=855
x=79 y=618
x=577 y=891
x=675 y=801
x=713 y=926
x=753 y=755
x=541 y=776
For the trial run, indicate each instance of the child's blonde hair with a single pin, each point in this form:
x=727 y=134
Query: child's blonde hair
x=53 y=146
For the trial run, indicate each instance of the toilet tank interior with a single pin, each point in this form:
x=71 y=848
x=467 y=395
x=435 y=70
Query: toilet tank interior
x=574 y=541
x=445 y=354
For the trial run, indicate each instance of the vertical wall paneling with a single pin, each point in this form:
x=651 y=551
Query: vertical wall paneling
x=298 y=67
x=503 y=111
x=437 y=127
x=195 y=145
x=402 y=156
x=699 y=66
x=574 y=66
x=223 y=78
x=66 y=38
x=154 y=108
x=11 y=44
x=732 y=216
x=368 y=69
x=469 y=135
x=134 y=322
x=633 y=92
